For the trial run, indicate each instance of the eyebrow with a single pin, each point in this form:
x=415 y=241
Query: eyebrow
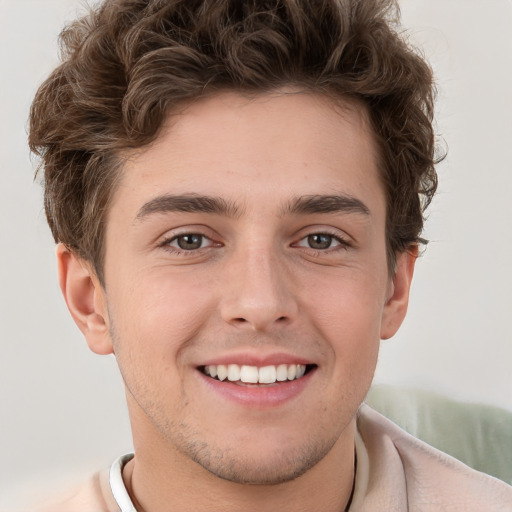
x=304 y=205
x=326 y=204
x=189 y=204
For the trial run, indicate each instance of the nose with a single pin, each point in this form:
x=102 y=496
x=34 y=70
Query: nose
x=259 y=292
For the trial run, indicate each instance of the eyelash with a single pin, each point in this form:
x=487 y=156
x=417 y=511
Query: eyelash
x=342 y=243
x=166 y=244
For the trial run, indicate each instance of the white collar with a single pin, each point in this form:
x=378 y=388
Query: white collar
x=117 y=485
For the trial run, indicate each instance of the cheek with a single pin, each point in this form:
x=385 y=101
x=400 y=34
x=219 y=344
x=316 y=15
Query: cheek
x=351 y=300
x=348 y=313
x=160 y=313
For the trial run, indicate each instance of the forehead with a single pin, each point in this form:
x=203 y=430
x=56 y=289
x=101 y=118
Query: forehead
x=262 y=146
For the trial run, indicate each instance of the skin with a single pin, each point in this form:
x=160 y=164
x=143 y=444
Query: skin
x=255 y=286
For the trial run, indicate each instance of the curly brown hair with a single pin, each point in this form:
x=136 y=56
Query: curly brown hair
x=128 y=64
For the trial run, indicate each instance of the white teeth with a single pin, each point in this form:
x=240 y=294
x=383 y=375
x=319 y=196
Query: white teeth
x=267 y=375
x=292 y=371
x=282 y=372
x=249 y=374
x=233 y=372
x=254 y=375
x=222 y=371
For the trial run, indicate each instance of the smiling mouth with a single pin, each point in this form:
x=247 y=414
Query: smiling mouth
x=245 y=374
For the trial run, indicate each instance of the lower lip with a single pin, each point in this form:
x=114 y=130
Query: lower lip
x=259 y=396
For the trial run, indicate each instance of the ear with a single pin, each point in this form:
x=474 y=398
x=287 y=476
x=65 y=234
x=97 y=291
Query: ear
x=398 y=295
x=85 y=298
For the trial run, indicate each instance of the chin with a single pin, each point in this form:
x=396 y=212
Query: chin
x=262 y=466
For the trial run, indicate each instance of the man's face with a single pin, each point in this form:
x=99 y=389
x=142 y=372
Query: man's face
x=252 y=233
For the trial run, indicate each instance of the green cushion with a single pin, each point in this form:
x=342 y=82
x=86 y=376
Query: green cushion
x=478 y=435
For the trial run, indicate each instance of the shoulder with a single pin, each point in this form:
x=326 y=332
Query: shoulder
x=431 y=479
x=93 y=494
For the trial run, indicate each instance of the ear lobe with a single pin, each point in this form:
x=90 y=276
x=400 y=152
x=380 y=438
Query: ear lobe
x=398 y=297
x=85 y=299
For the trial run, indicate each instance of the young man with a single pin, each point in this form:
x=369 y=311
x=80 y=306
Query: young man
x=237 y=189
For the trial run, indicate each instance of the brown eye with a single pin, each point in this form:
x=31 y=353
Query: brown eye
x=320 y=241
x=188 y=242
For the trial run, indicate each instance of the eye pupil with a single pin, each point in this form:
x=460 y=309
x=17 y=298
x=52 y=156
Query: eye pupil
x=319 y=241
x=190 y=242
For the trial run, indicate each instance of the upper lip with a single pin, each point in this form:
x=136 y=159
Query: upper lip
x=260 y=360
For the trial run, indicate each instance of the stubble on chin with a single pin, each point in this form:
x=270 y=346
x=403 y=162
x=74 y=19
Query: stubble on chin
x=233 y=465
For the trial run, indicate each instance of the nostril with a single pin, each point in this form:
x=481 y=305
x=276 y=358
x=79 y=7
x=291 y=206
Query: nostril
x=242 y=320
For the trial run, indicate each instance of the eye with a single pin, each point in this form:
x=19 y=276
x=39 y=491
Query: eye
x=320 y=241
x=189 y=242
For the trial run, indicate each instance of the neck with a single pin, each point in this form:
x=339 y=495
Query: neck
x=163 y=480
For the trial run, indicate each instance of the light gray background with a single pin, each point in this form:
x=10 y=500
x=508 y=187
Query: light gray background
x=62 y=408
